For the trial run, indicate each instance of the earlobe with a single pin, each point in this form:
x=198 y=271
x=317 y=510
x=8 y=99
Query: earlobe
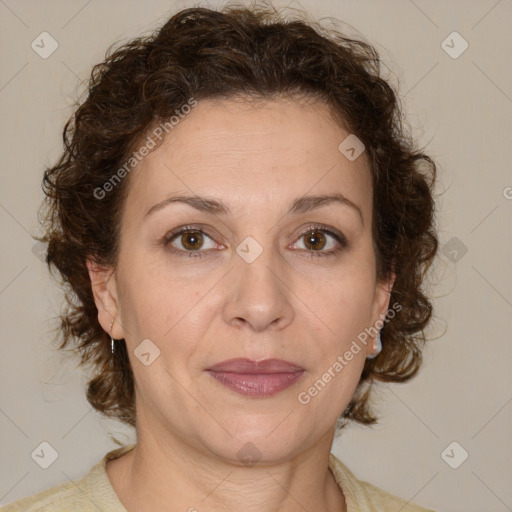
x=381 y=307
x=104 y=289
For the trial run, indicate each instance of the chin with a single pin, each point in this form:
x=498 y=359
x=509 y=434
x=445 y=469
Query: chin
x=258 y=441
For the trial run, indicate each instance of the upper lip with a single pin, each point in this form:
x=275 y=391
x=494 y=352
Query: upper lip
x=248 y=366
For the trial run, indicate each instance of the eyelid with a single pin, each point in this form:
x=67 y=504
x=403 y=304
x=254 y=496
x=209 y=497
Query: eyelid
x=189 y=227
x=338 y=235
x=333 y=232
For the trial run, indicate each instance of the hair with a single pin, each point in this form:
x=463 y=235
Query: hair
x=237 y=51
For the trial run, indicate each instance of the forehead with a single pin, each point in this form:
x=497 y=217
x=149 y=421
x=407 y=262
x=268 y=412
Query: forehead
x=251 y=154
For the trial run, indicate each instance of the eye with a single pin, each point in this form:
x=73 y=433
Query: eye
x=188 y=241
x=318 y=238
x=192 y=241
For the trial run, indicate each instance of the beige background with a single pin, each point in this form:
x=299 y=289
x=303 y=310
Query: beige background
x=461 y=108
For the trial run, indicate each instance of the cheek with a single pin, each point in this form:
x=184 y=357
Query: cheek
x=328 y=391
x=342 y=313
x=344 y=302
x=154 y=297
x=175 y=319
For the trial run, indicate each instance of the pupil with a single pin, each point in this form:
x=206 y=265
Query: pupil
x=313 y=240
x=192 y=239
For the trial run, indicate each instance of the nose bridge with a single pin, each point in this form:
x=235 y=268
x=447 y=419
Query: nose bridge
x=259 y=295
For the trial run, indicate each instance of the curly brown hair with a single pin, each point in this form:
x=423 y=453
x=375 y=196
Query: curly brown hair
x=254 y=52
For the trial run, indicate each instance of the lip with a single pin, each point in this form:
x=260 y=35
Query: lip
x=256 y=378
x=248 y=366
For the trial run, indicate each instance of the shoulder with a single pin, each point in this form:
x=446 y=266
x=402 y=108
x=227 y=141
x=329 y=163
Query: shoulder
x=63 y=497
x=362 y=496
x=90 y=493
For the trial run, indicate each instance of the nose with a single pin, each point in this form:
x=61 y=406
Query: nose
x=259 y=294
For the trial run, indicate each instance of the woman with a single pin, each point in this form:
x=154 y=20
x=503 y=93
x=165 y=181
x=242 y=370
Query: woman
x=243 y=229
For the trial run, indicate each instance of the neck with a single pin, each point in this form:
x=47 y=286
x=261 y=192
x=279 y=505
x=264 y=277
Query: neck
x=172 y=475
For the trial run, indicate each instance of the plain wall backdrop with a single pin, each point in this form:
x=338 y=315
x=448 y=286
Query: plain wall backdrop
x=458 y=102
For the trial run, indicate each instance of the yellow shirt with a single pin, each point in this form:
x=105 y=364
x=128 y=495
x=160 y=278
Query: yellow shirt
x=94 y=493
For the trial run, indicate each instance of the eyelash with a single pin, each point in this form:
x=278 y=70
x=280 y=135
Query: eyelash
x=169 y=237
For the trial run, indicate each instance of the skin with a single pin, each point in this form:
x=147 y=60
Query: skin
x=287 y=304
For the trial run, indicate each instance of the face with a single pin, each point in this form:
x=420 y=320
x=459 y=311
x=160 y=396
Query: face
x=269 y=275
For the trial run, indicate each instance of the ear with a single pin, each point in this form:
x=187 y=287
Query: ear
x=381 y=306
x=104 y=288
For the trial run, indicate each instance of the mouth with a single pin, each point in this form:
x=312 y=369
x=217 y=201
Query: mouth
x=256 y=378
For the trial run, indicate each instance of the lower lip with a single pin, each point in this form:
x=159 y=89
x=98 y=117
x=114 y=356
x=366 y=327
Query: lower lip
x=256 y=385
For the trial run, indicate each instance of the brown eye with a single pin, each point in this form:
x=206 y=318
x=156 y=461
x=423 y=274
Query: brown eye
x=314 y=240
x=319 y=241
x=192 y=240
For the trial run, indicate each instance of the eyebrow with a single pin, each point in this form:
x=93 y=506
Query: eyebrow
x=215 y=207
